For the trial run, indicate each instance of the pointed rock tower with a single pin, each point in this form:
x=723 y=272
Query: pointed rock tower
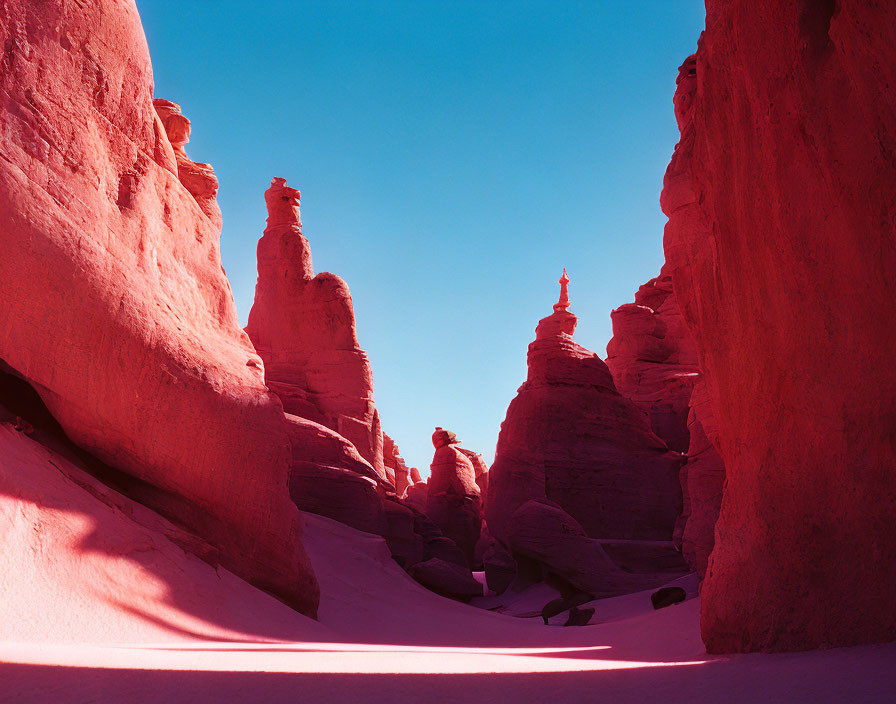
x=571 y=438
x=303 y=327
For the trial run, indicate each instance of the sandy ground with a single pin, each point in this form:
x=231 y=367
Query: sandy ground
x=99 y=604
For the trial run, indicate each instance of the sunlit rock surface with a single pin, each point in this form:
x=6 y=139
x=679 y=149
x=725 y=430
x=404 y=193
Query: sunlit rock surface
x=113 y=302
x=303 y=327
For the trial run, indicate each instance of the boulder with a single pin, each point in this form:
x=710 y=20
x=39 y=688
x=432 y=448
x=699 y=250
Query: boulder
x=667 y=596
x=113 y=302
x=447 y=579
x=552 y=540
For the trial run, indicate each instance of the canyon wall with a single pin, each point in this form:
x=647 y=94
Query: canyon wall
x=780 y=243
x=113 y=302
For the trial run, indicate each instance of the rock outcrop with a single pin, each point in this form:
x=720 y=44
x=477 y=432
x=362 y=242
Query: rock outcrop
x=653 y=359
x=396 y=467
x=303 y=327
x=453 y=498
x=570 y=437
x=113 y=302
x=549 y=544
x=780 y=244
x=480 y=469
x=703 y=478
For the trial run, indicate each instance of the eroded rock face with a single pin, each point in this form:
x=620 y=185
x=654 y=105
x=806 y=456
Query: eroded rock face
x=113 y=302
x=570 y=437
x=396 y=466
x=653 y=360
x=453 y=498
x=780 y=242
x=548 y=543
x=303 y=327
x=703 y=479
x=480 y=468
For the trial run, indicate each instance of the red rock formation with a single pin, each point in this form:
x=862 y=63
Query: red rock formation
x=452 y=499
x=780 y=241
x=548 y=543
x=303 y=327
x=653 y=359
x=571 y=438
x=481 y=470
x=396 y=465
x=702 y=483
x=113 y=302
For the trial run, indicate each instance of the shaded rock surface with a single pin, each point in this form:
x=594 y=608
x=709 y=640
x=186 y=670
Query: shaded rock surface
x=703 y=479
x=556 y=546
x=653 y=359
x=570 y=437
x=113 y=302
x=396 y=466
x=447 y=579
x=780 y=244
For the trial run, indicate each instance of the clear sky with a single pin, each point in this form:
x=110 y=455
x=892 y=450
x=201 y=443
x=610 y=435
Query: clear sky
x=453 y=157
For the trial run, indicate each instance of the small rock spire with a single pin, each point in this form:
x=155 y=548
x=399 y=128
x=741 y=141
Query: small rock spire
x=283 y=204
x=563 y=303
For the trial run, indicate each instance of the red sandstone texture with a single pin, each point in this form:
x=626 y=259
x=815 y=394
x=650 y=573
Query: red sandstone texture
x=703 y=479
x=453 y=500
x=396 y=467
x=780 y=244
x=113 y=302
x=653 y=359
x=303 y=327
x=570 y=437
x=480 y=468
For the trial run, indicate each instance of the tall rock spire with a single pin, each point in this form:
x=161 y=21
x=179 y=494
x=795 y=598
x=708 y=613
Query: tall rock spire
x=303 y=327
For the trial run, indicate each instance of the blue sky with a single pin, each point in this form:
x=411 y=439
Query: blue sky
x=453 y=158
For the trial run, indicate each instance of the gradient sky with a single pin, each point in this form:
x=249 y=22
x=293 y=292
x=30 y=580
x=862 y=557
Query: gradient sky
x=453 y=157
